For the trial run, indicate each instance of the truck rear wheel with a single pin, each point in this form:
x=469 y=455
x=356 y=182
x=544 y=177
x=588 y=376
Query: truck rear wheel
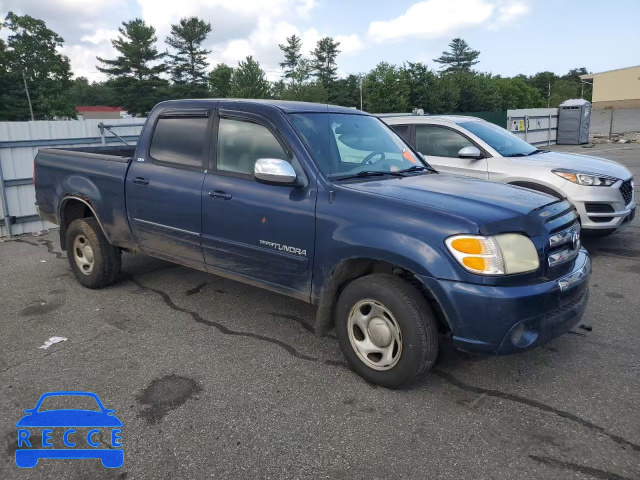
x=386 y=330
x=93 y=260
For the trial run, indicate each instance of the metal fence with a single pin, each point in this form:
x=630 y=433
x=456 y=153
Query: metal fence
x=19 y=144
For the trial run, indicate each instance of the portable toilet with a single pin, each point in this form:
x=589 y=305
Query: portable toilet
x=573 y=122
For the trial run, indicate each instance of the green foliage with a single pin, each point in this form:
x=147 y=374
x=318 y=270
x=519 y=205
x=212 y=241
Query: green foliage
x=292 y=57
x=249 y=80
x=385 y=89
x=219 y=80
x=324 y=61
x=31 y=55
x=460 y=57
x=188 y=65
x=84 y=93
x=135 y=73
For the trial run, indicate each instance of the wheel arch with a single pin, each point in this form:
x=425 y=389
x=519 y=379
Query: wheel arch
x=73 y=208
x=538 y=187
x=347 y=270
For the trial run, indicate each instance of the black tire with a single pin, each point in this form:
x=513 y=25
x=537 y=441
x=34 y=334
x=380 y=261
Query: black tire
x=106 y=257
x=412 y=314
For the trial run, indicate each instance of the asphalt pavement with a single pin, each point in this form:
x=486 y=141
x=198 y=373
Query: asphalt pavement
x=216 y=379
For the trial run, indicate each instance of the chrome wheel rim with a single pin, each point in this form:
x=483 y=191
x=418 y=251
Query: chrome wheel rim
x=83 y=254
x=374 y=335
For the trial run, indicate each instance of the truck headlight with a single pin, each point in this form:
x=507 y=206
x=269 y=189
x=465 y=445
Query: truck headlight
x=588 y=179
x=503 y=254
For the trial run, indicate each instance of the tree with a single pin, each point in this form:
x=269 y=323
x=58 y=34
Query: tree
x=189 y=62
x=385 y=89
x=84 y=93
x=292 y=57
x=421 y=83
x=31 y=56
x=459 y=58
x=135 y=72
x=219 y=80
x=324 y=61
x=249 y=80
x=517 y=93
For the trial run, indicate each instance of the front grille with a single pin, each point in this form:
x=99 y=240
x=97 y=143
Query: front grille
x=550 y=316
x=598 y=207
x=562 y=248
x=626 y=189
x=600 y=219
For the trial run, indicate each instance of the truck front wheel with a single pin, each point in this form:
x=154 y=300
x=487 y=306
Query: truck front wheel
x=93 y=260
x=386 y=330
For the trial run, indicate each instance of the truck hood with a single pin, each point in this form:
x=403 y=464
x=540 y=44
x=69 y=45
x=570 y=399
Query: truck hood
x=574 y=161
x=477 y=200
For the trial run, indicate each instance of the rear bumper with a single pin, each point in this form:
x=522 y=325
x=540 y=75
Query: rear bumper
x=503 y=320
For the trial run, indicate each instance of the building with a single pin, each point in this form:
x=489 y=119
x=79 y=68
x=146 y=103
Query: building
x=99 y=112
x=616 y=89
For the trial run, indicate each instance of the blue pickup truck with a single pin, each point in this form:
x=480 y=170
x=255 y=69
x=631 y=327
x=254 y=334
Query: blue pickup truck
x=328 y=205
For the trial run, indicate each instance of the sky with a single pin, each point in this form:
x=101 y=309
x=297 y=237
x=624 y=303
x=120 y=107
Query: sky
x=513 y=36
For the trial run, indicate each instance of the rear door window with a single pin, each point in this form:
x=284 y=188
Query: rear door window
x=180 y=141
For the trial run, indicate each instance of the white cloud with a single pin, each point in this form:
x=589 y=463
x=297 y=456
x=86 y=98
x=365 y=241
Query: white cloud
x=439 y=18
x=349 y=44
x=509 y=13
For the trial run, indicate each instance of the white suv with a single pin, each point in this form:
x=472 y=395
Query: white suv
x=601 y=190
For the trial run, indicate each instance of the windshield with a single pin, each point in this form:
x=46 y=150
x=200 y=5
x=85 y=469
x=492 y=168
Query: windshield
x=504 y=142
x=343 y=144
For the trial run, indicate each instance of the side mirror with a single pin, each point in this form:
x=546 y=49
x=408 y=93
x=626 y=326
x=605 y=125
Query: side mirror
x=470 y=152
x=274 y=171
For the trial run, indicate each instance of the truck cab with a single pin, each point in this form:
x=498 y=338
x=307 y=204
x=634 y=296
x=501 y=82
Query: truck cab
x=328 y=205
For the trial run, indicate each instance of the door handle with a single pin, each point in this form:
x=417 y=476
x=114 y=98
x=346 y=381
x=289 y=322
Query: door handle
x=141 y=181
x=220 y=194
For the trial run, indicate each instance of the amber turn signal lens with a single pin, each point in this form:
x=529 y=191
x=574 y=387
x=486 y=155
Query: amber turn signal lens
x=476 y=263
x=467 y=245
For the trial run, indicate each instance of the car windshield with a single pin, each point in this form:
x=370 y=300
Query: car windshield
x=344 y=145
x=504 y=142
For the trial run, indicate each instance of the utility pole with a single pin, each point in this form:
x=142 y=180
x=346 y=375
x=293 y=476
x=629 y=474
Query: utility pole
x=361 y=93
x=26 y=89
x=549 y=96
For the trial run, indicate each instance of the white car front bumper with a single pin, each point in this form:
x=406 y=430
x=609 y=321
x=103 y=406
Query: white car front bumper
x=603 y=208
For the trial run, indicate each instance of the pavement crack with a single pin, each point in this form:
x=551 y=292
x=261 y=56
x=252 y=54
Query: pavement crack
x=196 y=289
x=48 y=244
x=574 y=467
x=535 y=404
x=301 y=322
x=220 y=327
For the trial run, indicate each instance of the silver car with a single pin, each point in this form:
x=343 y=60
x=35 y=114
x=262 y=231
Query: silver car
x=602 y=190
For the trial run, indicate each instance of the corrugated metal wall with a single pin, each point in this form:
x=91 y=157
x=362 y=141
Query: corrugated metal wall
x=19 y=143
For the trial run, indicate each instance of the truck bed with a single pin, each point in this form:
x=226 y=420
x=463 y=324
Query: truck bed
x=94 y=176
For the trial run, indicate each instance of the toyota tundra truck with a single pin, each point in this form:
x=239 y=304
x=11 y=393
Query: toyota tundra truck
x=330 y=206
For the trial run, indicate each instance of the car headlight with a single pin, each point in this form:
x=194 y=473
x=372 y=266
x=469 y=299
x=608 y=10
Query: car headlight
x=497 y=255
x=588 y=179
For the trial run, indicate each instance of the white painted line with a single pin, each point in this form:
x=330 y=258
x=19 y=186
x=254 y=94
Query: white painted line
x=52 y=341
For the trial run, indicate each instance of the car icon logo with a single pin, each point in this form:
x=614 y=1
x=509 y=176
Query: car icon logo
x=85 y=433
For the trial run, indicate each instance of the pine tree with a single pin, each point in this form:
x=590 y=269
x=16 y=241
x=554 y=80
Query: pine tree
x=324 y=61
x=135 y=73
x=292 y=57
x=460 y=57
x=137 y=53
x=249 y=80
x=189 y=62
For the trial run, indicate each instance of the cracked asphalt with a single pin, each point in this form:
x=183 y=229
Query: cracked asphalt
x=213 y=378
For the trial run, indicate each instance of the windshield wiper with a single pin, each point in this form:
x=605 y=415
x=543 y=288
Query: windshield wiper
x=417 y=168
x=370 y=173
x=519 y=154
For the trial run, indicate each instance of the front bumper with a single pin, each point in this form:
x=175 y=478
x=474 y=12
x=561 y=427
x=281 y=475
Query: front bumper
x=600 y=208
x=503 y=320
